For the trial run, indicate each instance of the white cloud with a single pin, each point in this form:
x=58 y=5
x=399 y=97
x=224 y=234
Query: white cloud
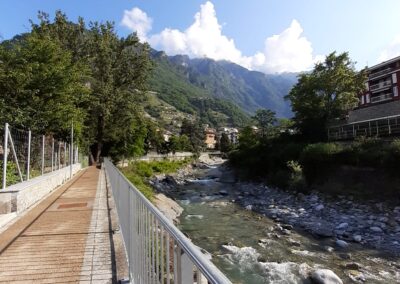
x=138 y=21
x=203 y=38
x=285 y=52
x=392 y=50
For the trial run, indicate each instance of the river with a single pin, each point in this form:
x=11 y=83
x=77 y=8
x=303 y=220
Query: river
x=251 y=248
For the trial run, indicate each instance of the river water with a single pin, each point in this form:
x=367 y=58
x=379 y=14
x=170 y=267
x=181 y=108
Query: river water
x=247 y=248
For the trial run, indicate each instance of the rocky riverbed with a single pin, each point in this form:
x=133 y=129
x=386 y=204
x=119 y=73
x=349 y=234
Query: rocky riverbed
x=273 y=231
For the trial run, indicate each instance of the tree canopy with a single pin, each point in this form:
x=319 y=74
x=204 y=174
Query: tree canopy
x=264 y=119
x=64 y=72
x=329 y=91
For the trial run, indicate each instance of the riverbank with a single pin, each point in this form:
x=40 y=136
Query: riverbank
x=344 y=237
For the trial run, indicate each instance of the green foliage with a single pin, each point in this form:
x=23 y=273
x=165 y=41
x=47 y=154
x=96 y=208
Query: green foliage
x=173 y=86
x=319 y=159
x=326 y=93
x=225 y=144
x=63 y=72
x=265 y=119
x=296 y=181
x=42 y=87
x=195 y=132
x=12 y=176
x=139 y=172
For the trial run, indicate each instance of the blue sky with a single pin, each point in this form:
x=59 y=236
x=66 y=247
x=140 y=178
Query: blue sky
x=269 y=36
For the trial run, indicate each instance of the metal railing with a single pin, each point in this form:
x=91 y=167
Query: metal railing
x=381 y=98
x=379 y=73
x=379 y=127
x=381 y=85
x=157 y=251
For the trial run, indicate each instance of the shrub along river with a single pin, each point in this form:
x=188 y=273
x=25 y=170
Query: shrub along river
x=252 y=248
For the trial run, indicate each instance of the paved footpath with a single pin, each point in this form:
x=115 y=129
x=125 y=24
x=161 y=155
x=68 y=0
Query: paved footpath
x=64 y=239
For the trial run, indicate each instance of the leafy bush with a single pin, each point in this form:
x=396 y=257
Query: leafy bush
x=296 y=181
x=139 y=172
x=12 y=176
x=392 y=158
x=319 y=159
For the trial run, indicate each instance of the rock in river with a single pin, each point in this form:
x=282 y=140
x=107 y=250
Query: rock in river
x=376 y=229
x=342 y=244
x=325 y=276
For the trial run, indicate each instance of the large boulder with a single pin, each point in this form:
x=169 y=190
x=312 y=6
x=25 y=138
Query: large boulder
x=325 y=276
x=168 y=207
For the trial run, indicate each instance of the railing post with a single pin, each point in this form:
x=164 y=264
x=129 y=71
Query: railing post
x=28 y=164
x=42 y=154
x=5 y=154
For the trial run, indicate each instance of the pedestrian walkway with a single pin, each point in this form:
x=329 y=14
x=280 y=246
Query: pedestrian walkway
x=64 y=239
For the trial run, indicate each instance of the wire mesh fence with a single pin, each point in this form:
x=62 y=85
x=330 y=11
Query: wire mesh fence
x=28 y=155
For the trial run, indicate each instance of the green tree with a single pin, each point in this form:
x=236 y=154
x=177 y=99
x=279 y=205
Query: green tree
x=119 y=71
x=154 y=138
x=247 y=138
x=326 y=93
x=41 y=86
x=264 y=119
x=174 y=144
x=195 y=132
x=225 y=144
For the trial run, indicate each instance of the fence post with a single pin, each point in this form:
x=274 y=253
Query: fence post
x=59 y=155
x=71 y=148
x=28 y=164
x=5 y=152
x=65 y=154
x=52 y=154
x=42 y=154
x=15 y=156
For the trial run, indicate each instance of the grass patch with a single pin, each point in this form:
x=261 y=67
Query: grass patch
x=139 y=172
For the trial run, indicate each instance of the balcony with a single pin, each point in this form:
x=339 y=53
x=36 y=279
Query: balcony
x=380 y=86
x=379 y=73
x=384 y=97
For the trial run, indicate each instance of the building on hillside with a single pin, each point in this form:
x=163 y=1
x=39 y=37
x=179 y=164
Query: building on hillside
x=210 y=138
x=378 y=111
x=232 y=133
x=167 y=135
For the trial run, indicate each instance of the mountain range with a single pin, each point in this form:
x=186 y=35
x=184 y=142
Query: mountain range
x=209 y=87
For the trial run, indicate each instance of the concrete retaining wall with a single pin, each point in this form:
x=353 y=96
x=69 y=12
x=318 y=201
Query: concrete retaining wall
x=19 y=197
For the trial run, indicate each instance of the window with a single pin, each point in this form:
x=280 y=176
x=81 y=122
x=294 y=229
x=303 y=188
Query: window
x=367 y=98
x=395 y=92
x=362 y=99
x=394 y=78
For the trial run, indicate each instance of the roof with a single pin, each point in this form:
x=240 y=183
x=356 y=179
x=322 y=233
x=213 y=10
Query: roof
x=384 y=63
x=375 y=111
